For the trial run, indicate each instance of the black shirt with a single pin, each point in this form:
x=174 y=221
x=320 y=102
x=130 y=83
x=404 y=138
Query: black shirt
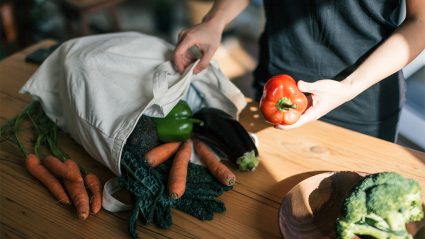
x=328 y=39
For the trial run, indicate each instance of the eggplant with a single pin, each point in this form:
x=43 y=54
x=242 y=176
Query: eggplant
x=223 y=133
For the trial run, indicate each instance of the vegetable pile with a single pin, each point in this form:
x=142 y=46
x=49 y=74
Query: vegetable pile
x=62 y=176
x=157 y=171
x=380 y=206
x=155 y=162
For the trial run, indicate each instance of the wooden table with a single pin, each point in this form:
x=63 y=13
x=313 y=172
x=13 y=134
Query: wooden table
x=27 y=210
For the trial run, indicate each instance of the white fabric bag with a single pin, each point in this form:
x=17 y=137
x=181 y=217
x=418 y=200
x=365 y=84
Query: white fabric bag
x=97 y=87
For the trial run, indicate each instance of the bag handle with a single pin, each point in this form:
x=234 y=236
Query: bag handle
x=169 y=87
x=109 y=202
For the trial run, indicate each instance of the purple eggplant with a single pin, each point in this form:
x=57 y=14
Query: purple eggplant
x=225 y=134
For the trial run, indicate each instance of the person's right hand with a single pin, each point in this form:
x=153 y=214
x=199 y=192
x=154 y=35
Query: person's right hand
x=206 y=37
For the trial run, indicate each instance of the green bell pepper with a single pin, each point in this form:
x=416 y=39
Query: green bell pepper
x=177 y=125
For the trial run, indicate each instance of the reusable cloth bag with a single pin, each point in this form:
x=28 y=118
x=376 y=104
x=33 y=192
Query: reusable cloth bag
x=97 y=87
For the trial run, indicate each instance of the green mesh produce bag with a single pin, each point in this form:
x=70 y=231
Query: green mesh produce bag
x=148 y=186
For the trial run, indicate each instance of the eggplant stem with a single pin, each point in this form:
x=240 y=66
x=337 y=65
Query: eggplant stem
x=248 y=162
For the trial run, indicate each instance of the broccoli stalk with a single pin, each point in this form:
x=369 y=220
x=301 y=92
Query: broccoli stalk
x=348 y=230
x=377 y=221
x=380 y=206
x=396 y=221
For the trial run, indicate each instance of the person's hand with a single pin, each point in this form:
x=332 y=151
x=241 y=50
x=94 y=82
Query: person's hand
x=206 y=37
x=325 y=95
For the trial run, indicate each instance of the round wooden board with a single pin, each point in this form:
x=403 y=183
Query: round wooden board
x=310 y=209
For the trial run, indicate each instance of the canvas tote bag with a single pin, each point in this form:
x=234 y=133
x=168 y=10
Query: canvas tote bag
x=97 y=87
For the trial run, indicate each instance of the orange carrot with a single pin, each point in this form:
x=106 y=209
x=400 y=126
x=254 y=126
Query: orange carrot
x=67 y=170
x=178 y=172
x=46 y=178
x=161 y=153
x=80 y=199
x=211 y=161
x=95 y=186
x=75 y=169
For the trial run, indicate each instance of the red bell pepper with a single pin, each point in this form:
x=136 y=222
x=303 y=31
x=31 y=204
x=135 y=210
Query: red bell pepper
x=282 y=102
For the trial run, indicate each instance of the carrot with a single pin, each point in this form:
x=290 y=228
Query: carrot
x=74 y=170
x=178 y=172
x=46 y=178
x=95 y=186
x=68 y=170
x=80 y=199
x=211 y=161
x=161 y=153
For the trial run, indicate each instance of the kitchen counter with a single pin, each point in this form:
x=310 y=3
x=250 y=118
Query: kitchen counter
x=27 y=210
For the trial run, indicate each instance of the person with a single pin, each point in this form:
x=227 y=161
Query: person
x=346 y=54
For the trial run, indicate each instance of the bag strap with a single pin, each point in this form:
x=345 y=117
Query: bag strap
x=109 y=202
x=169 y=86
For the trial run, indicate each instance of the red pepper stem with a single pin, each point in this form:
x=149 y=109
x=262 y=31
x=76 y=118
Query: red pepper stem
x=284 y=104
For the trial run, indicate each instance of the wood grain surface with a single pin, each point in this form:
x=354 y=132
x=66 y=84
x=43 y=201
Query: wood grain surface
x=27 y=210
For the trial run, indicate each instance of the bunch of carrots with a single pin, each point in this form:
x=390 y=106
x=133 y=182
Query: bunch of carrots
x=74 y=186
x=62 y=176
x=182 y=152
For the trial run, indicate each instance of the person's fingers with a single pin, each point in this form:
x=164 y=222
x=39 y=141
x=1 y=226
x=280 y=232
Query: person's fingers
x=286 y=127
x=305 y=86
x=297 y=124
x=205 y=60
x=181 y=36
x=182 y=56
x=291 y=126
x=180 y=63
x=301 y=121
x=309 y=115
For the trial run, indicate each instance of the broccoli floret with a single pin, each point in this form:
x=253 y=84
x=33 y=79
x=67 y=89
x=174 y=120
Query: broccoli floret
x=380 y=206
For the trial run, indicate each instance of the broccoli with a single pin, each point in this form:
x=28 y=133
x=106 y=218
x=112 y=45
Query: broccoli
x=379 y=206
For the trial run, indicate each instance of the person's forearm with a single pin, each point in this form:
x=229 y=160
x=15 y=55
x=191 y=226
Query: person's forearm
x=397 y=51
x=224 y=11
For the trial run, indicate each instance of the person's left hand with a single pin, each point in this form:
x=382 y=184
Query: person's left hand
x=325 y=95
